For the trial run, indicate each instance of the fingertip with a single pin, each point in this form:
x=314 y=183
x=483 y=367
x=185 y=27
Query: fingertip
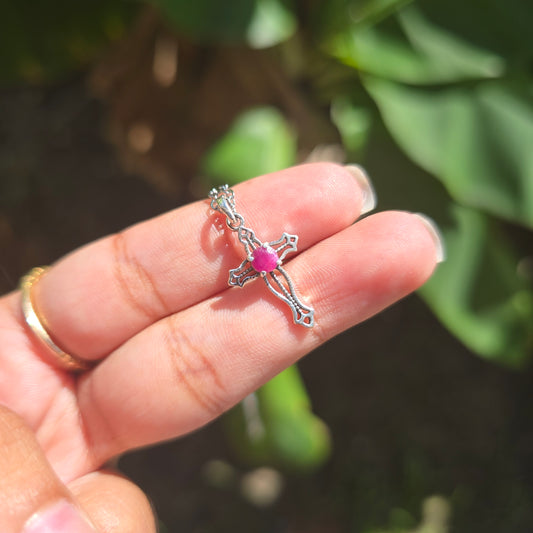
x=351 y=184
x=369 y=197
x=369 y=266
x=435 y=234
x=414 y=242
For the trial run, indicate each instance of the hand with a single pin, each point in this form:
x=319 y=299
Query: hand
x=175 y=346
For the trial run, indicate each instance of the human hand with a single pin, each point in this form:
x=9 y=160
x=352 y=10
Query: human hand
x=174 y=346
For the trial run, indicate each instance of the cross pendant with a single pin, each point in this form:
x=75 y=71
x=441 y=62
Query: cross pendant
x=262 y=259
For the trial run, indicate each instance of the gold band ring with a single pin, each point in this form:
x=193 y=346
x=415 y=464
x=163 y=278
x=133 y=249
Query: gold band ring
x=36 y=323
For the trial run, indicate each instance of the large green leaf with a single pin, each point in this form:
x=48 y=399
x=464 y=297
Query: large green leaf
x=43 y=41
x=476 y=139
x=430 y=41
x=408 y=47
x=259 y=141
x=478 y=294
x=260 y=23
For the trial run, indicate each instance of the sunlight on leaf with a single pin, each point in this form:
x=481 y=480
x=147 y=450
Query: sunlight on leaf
x=276 y=425
x=259 y=141
x=409 y=48
x=271 y=24
x=476 y=140
x=353 y=123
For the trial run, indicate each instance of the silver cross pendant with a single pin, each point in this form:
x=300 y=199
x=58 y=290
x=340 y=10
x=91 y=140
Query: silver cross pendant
x=262 y=259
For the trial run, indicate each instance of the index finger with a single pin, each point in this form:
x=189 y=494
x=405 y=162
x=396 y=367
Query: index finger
x=99 y=296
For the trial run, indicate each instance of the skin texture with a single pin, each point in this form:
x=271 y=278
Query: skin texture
x=175 y=346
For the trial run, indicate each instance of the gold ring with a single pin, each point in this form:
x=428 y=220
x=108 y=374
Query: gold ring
x=36 y=323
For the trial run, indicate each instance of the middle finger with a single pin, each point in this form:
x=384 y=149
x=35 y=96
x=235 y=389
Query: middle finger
x=99 y=296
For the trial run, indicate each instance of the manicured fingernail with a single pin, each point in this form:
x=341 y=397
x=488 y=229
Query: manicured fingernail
x=436 y=235
x=61 y=517
x=369 y=194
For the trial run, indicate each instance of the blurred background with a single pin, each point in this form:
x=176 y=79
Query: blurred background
x=420 y=420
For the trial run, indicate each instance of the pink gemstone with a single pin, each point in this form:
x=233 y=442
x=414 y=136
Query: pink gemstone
x=264 y=259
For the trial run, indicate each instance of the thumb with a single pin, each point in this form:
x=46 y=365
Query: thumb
x=34 y=500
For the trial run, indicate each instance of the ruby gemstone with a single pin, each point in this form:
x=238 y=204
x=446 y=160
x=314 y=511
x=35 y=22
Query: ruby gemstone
x=264 y=259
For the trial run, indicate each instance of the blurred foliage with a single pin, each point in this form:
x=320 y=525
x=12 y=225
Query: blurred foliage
x=275 y=425
x=259 y=23
x=435 y=518
x=258 y=142
x=353 y=122
x=45 y=41
x=452 y=85
x=456 y=97
x=477 y=291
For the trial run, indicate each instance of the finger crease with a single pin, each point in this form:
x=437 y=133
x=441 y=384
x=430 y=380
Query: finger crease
x=136 y=281
x=94 y=447
x=188 y=362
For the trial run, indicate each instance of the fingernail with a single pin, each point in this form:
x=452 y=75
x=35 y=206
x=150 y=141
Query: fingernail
x=436 y=235
x=61 y=517
x=369 y=194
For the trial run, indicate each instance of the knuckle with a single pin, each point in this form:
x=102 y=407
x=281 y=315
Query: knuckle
x=194 y=372
x=320 y=334
x=135 y=281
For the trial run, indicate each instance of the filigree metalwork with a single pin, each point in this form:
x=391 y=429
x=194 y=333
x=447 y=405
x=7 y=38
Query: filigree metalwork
x=271 y=258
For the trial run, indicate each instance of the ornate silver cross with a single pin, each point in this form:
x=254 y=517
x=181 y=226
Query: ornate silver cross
x=262 y=259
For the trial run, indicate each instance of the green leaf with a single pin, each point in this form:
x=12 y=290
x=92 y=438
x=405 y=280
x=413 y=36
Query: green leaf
x=475 y=139
x=272 y=23
x=478 y=294
x=260 y=23
x=409 y=48
x=209 y=20
x=41 y=41
x=276 y=425
x=501 y=28
x=259 y=141
x=335 y=16
x=353 y=123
